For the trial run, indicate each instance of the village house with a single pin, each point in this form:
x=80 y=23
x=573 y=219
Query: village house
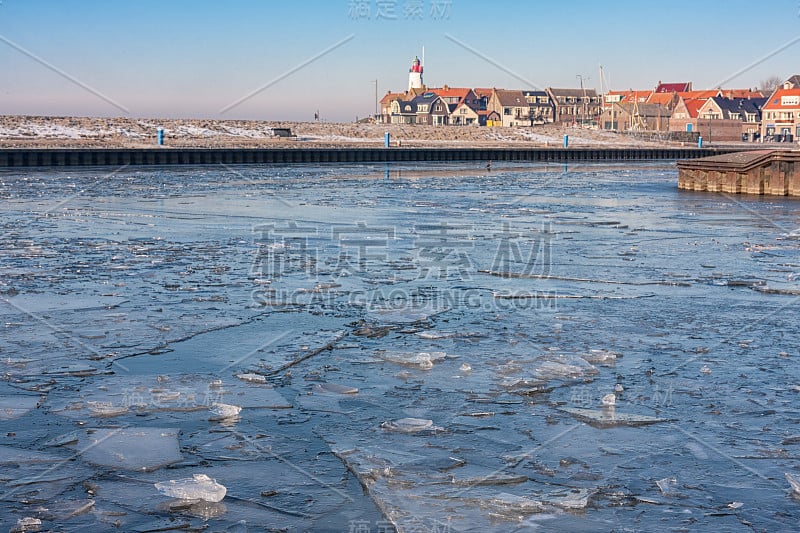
x=462 y=103
x=730 y=119
x=540 y=108
x=511 y=106
x=781 y=113
x=386 y=105
x=431 y=110
x=684 y=116
x=574 y=106
x=635 y=117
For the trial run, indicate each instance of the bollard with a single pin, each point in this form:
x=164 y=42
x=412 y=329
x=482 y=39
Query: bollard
x=160 y=136
x=566 y=141
x=386 y=140
x=699 y=142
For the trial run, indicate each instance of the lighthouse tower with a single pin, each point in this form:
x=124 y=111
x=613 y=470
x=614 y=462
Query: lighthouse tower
x=415 y=75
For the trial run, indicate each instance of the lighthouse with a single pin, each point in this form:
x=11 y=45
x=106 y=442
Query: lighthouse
x=415 y=75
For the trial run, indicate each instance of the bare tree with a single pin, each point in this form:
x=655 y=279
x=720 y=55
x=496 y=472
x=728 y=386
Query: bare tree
x=769 y=84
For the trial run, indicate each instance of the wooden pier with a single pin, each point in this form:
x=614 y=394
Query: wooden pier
x=773 y=172
x=221 y=156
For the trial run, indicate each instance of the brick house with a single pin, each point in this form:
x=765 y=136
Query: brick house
x=574 y=106
x=730 y=119
x=635 y=117
x=540 y=107
x=684 y=116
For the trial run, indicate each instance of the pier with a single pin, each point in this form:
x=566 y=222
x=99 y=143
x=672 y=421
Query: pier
x=770 y=172
x=201 y=156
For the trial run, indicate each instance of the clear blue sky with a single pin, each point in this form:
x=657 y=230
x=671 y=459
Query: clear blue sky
x=194 y=58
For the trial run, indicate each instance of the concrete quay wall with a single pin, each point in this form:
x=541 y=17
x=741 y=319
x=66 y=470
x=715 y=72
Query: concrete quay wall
x=768 y=172
x=197 y=156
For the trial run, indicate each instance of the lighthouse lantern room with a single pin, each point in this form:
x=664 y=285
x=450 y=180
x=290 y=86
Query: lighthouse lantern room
x=415 y=75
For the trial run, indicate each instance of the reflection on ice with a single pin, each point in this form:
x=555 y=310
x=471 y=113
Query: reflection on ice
x=141 y=449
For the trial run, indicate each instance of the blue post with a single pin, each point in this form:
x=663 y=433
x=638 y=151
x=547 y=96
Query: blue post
x=160 y=136
x=566 y=141
x=386 y=139
x=700 y=142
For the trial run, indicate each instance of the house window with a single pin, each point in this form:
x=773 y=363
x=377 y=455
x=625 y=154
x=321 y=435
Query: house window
x=507 y=111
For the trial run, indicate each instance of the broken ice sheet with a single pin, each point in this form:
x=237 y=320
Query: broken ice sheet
x=410 y=425
x=610 y=417
x=333 y=388
x=110 y=396
x=404 y=315
x=12 y=407
x=423 y=360
x=563 y=367
x=601 y=357
x=140 y=449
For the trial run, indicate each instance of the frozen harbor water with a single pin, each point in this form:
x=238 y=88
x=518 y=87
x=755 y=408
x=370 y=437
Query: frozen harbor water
x=427 y=348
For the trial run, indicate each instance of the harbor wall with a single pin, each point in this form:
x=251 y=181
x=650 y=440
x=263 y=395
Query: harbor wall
x=198 y=156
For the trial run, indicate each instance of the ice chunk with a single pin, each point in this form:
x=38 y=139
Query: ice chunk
x=224 y=411
x=562 y=366
x=142 y=449
x=198 y=487
x=27 y=524
x=105 y=409
x=601 y=357
x=252 y=378
x=667 y=485
x=609 y=399
x=607 y=418
x=410 y=425
x=423 y=360
x=334 y=388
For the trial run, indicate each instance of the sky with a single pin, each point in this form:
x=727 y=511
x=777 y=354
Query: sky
x=288 y=59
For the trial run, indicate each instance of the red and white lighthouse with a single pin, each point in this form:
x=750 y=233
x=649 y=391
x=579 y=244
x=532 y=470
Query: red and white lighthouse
x=415 y=75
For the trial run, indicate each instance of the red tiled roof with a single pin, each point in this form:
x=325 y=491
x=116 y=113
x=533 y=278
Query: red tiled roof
x=451 y=92
x=674 y=87
x=693 y=106
x=483 y=92
x=392 y=96
x=660 y=98
x=639 y=96
x=705 y=95
x=741 y=93
x=774 y=101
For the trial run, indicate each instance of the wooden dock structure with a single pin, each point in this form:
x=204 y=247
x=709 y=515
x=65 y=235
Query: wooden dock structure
x=770 y=172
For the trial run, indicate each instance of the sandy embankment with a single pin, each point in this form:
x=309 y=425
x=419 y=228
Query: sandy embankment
x=80 y=132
